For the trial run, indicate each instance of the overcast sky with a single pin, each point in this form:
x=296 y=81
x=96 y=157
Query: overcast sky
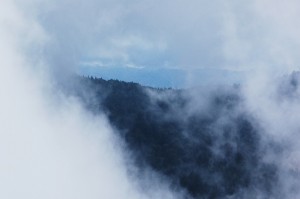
x=233 y=35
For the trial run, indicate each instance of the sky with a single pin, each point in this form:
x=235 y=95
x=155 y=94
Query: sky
x=161 y=77
x=194 y=37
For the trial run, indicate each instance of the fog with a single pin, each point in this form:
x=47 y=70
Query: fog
x=52 y=147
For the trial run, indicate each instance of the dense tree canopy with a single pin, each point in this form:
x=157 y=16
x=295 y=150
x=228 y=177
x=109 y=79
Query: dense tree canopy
x=210 y=153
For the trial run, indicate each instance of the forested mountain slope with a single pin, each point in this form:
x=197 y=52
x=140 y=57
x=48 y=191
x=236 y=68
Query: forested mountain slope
x=210 y=148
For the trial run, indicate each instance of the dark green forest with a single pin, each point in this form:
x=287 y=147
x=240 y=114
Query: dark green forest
x=210 y=152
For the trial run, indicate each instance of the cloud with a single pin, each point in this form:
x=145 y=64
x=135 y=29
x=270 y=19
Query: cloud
x=50 y=146
x=196 y=34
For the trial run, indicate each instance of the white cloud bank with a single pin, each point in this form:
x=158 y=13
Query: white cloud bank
x=50 y=147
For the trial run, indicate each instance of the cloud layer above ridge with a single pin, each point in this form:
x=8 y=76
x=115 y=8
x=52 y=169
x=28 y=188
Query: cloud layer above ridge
x=197 y=34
